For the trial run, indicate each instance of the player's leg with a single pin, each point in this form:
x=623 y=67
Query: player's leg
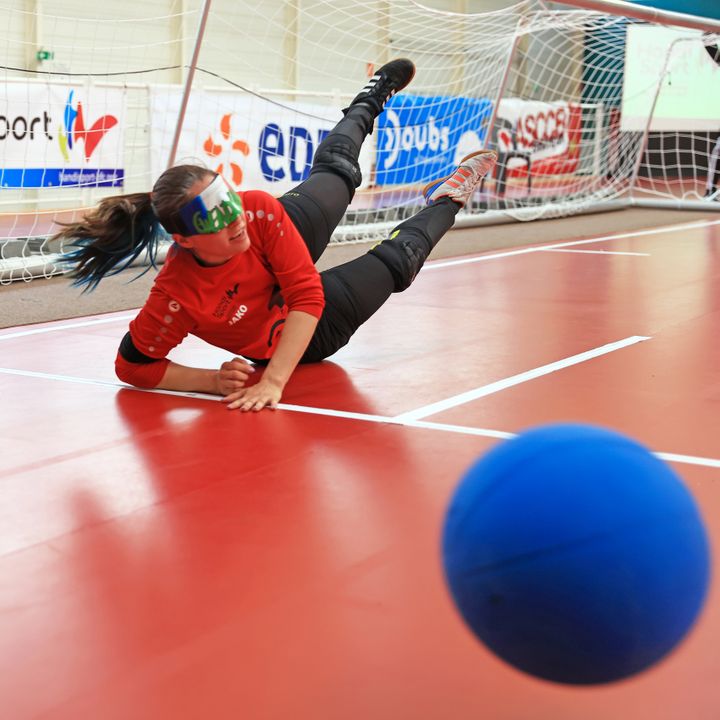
x=317 y=205
x=407 y=248
x=355 y=290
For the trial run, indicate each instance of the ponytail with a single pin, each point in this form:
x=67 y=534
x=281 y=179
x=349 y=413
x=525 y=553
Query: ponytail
x=109 y=238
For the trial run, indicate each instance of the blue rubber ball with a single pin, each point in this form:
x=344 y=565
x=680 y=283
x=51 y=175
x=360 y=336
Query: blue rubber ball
x=575 y=555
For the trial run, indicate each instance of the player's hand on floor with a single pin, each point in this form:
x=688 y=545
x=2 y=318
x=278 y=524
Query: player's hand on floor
x=232 y=375
x=255 y=398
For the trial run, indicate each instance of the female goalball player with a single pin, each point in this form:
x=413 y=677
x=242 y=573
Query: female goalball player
x=241 y=272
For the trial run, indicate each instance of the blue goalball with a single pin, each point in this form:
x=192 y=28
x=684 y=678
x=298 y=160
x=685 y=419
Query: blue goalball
x=575 y=555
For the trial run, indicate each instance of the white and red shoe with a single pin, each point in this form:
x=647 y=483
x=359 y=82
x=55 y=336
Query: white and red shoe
x=460 y=185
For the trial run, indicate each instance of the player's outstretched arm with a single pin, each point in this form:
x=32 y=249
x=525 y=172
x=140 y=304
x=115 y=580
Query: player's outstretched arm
x=297 y=332
x=229 y=378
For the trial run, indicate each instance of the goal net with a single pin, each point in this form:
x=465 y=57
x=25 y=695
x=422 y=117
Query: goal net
x=585 y=109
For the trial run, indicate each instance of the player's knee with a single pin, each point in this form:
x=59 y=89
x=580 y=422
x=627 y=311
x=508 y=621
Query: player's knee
x=404 y=255
x=338 y=154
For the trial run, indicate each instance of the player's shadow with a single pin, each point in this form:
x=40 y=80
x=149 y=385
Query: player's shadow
x=175 y=434
x=242 y=510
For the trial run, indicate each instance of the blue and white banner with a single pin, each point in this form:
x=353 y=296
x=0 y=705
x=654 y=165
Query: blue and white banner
x=59 y=135
x=255 y=143
x=422 y=138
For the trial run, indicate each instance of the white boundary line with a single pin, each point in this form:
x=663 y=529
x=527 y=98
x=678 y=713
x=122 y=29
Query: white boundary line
x=413 y=418
x=442 y=427
x=470 y=395
x=63 y=378
x=541 y=248
x=66 y=326
x=594 y=252
x=432 y=265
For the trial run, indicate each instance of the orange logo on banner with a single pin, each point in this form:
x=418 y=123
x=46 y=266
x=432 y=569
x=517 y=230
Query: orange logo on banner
x=214 y=150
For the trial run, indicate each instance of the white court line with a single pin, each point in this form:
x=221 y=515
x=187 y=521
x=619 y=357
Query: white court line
x=422 y=424
x=429 y=266
x=541 y=248
x=687 y=459
x=64 y=378
x=594 y=252
x=66 y=326
x=470 y=395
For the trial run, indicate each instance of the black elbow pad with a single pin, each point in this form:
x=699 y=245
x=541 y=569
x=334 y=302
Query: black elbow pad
x=129 y=352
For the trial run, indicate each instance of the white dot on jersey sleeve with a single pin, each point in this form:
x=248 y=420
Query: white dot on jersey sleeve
x=261 y=214
x=271 y=216
x=151 y=348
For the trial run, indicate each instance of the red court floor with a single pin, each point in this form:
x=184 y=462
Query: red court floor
x=162 y=557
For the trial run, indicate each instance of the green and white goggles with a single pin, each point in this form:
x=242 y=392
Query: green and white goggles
x=216 y=207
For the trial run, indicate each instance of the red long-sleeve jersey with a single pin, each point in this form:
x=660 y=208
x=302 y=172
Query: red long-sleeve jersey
x=240 y=305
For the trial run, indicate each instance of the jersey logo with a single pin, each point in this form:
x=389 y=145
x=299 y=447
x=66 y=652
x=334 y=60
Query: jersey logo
x=276 y=299
x=239 y=315
x=225 y=301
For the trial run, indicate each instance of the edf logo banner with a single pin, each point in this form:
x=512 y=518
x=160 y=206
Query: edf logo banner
x=254 y=143
x=422 y=138
x=60 y=136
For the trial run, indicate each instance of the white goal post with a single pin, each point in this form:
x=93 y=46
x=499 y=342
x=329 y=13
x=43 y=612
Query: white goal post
x=95 y=102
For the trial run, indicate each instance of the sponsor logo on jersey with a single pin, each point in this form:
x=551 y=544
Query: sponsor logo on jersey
x=239 y=315
x=227 y=306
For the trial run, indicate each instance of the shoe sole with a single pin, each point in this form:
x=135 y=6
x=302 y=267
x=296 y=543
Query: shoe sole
x=410 y=79
x=401 y=87
x=436 y=183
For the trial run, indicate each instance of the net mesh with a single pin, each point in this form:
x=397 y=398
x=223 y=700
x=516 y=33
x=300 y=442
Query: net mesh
x=90 y=101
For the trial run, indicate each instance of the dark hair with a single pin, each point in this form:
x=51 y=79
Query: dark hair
x=109 y=238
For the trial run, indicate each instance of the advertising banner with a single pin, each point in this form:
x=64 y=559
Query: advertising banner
x=422 y=138
x=58 y=135
x=254 y=143
x=548 y=132
x=259 y=144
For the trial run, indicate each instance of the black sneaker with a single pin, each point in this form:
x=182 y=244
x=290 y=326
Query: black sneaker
x=388 y=80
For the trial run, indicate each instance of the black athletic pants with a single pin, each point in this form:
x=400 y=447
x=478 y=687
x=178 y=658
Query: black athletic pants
x=356 y=289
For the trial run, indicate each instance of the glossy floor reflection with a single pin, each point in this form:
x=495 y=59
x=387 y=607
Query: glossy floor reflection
x=162 y=557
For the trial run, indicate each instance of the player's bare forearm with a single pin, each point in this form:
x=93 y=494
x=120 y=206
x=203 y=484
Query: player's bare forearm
x=230 y=377
x=297 y=332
